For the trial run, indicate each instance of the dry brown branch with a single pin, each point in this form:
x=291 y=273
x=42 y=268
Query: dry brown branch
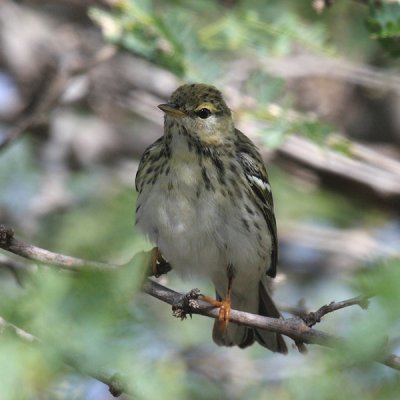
x=313 y=317
x=10 y=243
x=295 y=328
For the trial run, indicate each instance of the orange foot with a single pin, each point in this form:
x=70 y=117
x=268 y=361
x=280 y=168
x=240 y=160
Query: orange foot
x=224 y=310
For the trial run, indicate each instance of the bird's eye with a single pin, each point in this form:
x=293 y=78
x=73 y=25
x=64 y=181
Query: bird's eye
x=203 y=113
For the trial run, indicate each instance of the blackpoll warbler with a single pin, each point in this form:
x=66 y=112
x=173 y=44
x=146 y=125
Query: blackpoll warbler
x=205 y=201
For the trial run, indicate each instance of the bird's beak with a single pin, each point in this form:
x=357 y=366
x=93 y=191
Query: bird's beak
x=171 y=109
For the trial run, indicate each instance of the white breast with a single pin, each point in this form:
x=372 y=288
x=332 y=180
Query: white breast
x=202 y=235
x=178 y=222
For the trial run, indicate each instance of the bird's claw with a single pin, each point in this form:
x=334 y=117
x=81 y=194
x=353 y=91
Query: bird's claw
x=186 y=304
x=224 y=315
x=6 y=235
x=159 y=266
x=224 y=310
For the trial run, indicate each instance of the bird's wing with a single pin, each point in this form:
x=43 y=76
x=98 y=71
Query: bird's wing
x=152 y=152
x=257 y=177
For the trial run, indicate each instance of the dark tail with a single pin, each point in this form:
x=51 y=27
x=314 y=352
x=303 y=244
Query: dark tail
x=243 y=336
x=267 y=308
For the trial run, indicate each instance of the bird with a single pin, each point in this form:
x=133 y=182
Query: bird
x=205 y=201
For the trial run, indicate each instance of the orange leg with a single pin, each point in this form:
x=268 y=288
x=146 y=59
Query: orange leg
x=224 y=306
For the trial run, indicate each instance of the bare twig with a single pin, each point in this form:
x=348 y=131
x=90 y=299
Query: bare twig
x=311 y=318
x=392 y=361
x=34 y=253
x=295 y=328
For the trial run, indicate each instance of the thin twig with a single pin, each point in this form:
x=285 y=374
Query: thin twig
x=294 y=328
x=313 y=318
x=10 y=243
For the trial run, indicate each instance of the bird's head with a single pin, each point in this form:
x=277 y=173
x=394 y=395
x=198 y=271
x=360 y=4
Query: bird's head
x=201 y=110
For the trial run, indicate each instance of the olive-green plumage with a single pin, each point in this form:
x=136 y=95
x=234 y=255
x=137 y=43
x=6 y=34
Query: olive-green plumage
x=188 y=98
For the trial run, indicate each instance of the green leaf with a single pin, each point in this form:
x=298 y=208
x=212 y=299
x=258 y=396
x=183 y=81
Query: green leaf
x=383 y=23
x=133 y=27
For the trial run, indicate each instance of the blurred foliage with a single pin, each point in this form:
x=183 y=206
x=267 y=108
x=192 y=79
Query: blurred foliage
x=281 y=122
x=167 y=33
x=323 y=207
x=384 y=23
x=382 y=280
x=134 y=27
x=195 y=39
x=102 y=320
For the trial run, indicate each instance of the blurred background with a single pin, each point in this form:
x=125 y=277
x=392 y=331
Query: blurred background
x=314 y=83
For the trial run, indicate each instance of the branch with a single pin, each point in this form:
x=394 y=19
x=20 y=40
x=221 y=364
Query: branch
x=313 y=317
x=295 y=328
x=34 y=253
